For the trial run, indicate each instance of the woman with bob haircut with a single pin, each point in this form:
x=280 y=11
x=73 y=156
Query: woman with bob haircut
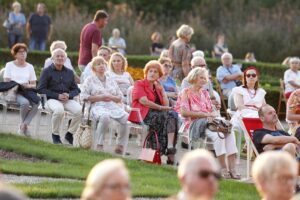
x=109 y=179
x=105 y=97
x=149 y=96
x=196 y=108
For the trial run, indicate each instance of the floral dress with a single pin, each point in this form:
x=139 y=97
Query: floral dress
x=93 y=86
x=293 y=105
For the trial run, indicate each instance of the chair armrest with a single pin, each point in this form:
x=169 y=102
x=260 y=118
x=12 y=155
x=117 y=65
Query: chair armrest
x=138 y=113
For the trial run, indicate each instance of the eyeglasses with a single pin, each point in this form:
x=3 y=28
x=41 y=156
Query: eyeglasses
x=249 y=75
x=203 y=65
x=169 y=66
x=204 y=174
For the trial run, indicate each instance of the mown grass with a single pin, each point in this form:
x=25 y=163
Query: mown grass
x=65 y=162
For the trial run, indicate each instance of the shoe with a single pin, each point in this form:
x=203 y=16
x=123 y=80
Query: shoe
x=171 y=155
x=119 y=150
x=69 y=137
x=225 y=174
x=186 y=146
x=234 y=174
x=56 y=139
x=21 y=130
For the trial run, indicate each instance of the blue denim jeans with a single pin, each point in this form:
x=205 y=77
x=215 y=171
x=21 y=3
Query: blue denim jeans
x=37 y=44
x=13 y=39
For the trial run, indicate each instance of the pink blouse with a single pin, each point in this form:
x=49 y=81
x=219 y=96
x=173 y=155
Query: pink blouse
x=196 y=102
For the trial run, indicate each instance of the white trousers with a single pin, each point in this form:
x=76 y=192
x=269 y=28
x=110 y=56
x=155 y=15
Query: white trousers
x=222 y=146
x=58 y=109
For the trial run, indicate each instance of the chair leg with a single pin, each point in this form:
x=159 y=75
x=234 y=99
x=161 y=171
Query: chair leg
x=4 y=114
x=239 y=142
x=37 y=124
x=248 y=159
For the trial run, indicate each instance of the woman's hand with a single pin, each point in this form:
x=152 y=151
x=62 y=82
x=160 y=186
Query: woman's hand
x=159 y=86
x=165 y=108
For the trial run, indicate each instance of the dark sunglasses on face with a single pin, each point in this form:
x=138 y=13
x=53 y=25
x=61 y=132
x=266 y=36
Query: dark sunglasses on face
x=205 y=174
x=249 y=75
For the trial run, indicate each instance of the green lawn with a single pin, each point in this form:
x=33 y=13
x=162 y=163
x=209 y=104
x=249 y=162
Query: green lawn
x=60 y=161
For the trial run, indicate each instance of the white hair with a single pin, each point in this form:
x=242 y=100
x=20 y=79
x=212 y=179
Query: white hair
x=99 y=175
x=294 y=59
x=15 y=4
x=226 y=54
x=192 y=158
x=184 y=31
x=55 y=51
x=58 y=42
x=196 y=59
x=198 y=53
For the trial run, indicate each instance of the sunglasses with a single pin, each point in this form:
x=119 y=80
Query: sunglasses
x=249 y=75
x=205 y=174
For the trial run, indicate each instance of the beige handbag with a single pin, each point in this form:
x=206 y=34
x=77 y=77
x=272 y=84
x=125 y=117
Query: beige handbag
x=10 y=96
x=83 y=137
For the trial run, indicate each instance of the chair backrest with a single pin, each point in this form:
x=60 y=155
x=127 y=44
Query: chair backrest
x=282 y=89
x=129 y=96
x=251 y=124
x=2 y=74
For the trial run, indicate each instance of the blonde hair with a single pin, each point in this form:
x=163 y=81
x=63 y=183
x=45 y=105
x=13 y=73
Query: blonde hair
x=153 y=64
x=269 y=163
x=164 y=53
x=184 y=31
x=99 y=175
x=15 y=4
x=194 y=73
x=192 y=159
x=155 y=35
x=163 y=60
x=125 y=64
x=97 y=59
x=58 y=42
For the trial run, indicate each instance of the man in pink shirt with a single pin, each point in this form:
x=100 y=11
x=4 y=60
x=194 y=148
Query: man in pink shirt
x=91 y=38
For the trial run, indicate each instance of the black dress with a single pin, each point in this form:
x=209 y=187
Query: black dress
x=162 y=122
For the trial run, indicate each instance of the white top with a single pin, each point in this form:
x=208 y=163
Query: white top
x=248 y=96
x=123 y=80
x=20 y=75
x=289 y=75
x=67 y=63
x=120 y=42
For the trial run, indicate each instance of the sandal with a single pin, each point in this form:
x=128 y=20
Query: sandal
x=225 y=173
x=234 y=174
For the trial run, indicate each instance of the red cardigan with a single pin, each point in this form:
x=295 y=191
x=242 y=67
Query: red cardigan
x=141 y=89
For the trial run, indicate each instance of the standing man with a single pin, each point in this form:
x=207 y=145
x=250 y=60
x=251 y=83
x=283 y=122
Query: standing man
x=39 y=28
x=180 y=52
x=91 y=38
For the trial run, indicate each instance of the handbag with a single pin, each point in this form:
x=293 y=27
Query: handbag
x=219 y=125
x=6 y=24
x=83 y=137
x=10 y=96
x=151 y=155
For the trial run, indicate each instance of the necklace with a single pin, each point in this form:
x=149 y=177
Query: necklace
x=251 y=93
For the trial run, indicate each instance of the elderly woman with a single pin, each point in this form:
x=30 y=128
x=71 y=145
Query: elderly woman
x=23 y=73
x=292 y=77
x=167 y=81
x=118 y=66
x=150 y=97
x=61 y=45
x=17 y=22
x=117 y=42
x=275 y=175
x=109 y=179
x=105 y=96
x=248 y=98
x=180 y=52
x=196 y=108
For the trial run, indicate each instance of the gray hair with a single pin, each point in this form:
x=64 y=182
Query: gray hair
x=226 y=55
x=184 y=31
x=55 y=51
x=192 y=158
x=57 y=42
x=294 y=59
x=194 y=73
x=15 y=4
x=196 y=59
x=198 y=53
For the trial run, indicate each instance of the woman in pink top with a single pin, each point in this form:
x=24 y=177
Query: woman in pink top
x=196 y=108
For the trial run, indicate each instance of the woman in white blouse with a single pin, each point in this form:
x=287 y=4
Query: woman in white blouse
x=117 y=72
x=23 y=73
x=292 y=77
x=105 y=97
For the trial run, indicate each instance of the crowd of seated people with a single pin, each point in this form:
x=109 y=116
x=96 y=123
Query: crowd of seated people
x=163 y=105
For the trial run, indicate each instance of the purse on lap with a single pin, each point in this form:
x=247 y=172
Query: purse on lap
x=219 y=125
x=10 y=96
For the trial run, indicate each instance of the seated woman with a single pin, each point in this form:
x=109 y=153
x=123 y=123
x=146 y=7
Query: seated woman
x=61 y=45
x=292 y=77
x=109 y=179
x=293 y=113
x=150 y=97
x=115 y=41
x=167 y=81
x=105 y=96
x=248 y=98
x=196 y=108
x=117 y=72
x=23 y=73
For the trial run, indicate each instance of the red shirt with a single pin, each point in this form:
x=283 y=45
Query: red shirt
x=89 y=34
x=141 y=89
